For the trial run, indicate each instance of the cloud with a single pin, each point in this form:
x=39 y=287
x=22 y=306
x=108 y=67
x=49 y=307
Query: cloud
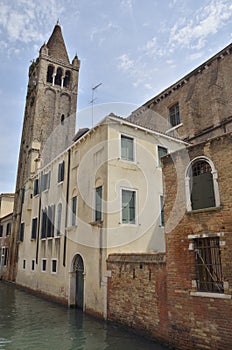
x=125 y=63
x=25 y=21
x=126 y=6
x=193 y=33
x=100 y=34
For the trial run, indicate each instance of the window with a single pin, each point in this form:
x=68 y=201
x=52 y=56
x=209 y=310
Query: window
x=98 y=204
x=1 y=230
x=50 y=74
x=58 y=76
x=128 y=207
x=50 y=221
x=67 y=78
x=61 y=172
x=24 y=264
x=59 y=218
x=202 y=194
x=5 y=256
x=127 y=148
x=162 y=211
x=208 y=265
x=21 y=232
x=162 y=151
x=34 y=228
x=36 y=187
x=174 y=115
x=44 y=224
x=44 y=265
x=45 y=181
x=54 y=266
x=8 y=229
x=74 y=210
x=201 y=183
x=33 y=265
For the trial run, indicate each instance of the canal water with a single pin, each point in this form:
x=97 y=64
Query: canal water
x=28 y=322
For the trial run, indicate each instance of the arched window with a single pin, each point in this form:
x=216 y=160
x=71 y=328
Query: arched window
x=67 y=78
x=58 y=76
x=201 y=185
x=50 y=74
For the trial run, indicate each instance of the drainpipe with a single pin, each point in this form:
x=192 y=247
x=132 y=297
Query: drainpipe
x=67 y=206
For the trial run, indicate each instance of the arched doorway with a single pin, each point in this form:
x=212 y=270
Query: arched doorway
x=78 y=269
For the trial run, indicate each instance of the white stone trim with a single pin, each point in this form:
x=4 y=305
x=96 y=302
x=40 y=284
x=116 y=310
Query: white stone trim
x=215 y=182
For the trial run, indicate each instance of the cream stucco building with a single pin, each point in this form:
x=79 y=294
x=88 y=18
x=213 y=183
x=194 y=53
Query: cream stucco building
x=102 y=195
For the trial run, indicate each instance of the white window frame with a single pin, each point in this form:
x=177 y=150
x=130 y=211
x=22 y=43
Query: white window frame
x=52 y=272
x=134 y=147
x=136 y=206
x=44 y=259
x=71 y=211
x=94 y=214
x=187 y=183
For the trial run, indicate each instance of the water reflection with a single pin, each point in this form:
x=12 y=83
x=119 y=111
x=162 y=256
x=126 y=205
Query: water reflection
x=30 y=323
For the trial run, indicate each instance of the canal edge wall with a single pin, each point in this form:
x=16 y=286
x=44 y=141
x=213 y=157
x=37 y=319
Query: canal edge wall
x=141 y=298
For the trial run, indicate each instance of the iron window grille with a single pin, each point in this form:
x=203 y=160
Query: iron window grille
x=208 y=265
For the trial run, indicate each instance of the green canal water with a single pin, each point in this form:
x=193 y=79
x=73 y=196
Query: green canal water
x=28 y=322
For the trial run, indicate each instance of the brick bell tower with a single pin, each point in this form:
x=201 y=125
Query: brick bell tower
x=49 y=120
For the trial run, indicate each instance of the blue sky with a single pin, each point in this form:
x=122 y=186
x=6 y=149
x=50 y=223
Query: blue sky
x=134 y=48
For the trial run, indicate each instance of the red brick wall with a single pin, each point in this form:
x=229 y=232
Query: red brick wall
x=137 y=293
x=197 y=322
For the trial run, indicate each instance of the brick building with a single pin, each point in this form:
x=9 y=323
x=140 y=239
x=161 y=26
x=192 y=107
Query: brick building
x=184 y=299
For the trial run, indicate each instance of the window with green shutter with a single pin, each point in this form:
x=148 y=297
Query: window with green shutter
x=98 y=204
x=127 y=148
x=128 y=206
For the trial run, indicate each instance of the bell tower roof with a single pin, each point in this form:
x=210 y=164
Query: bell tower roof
x=56 y=45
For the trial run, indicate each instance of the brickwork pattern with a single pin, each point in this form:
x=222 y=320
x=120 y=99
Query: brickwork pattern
x=137 y=293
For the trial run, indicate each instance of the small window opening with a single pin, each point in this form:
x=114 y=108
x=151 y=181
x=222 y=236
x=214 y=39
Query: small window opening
x=50 y=74
x=67 y=78
x=62 y=119
x=58 y=76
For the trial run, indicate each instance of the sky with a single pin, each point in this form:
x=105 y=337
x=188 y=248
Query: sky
x=133 y=48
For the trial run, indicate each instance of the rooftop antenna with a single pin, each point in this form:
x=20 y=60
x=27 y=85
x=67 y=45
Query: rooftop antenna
x=93 y=99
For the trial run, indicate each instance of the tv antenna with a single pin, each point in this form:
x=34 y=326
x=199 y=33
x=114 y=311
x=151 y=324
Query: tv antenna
x=93 y=99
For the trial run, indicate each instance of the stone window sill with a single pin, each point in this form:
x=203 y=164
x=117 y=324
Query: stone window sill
x=210 y=295
x=203 y=210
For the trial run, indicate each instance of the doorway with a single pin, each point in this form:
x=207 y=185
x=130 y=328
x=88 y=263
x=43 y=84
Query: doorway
x=78 y=269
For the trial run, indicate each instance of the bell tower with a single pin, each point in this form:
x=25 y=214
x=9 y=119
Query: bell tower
x=49 y=118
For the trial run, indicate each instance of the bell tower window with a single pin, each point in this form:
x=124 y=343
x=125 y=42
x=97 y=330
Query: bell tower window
x=50 y=74
x=67 y=78
x=58 y=77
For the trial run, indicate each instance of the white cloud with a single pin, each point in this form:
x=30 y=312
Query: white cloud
x=25 y=20
x=101 y=34
x=126 y=6
x=125 y=63
x=193 y=33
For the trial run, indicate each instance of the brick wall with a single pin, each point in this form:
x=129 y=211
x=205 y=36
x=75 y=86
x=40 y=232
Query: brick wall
x=137 y=293
x=198 y=322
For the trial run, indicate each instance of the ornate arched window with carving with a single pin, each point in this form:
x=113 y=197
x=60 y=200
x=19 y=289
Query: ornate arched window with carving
x=201 y=184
